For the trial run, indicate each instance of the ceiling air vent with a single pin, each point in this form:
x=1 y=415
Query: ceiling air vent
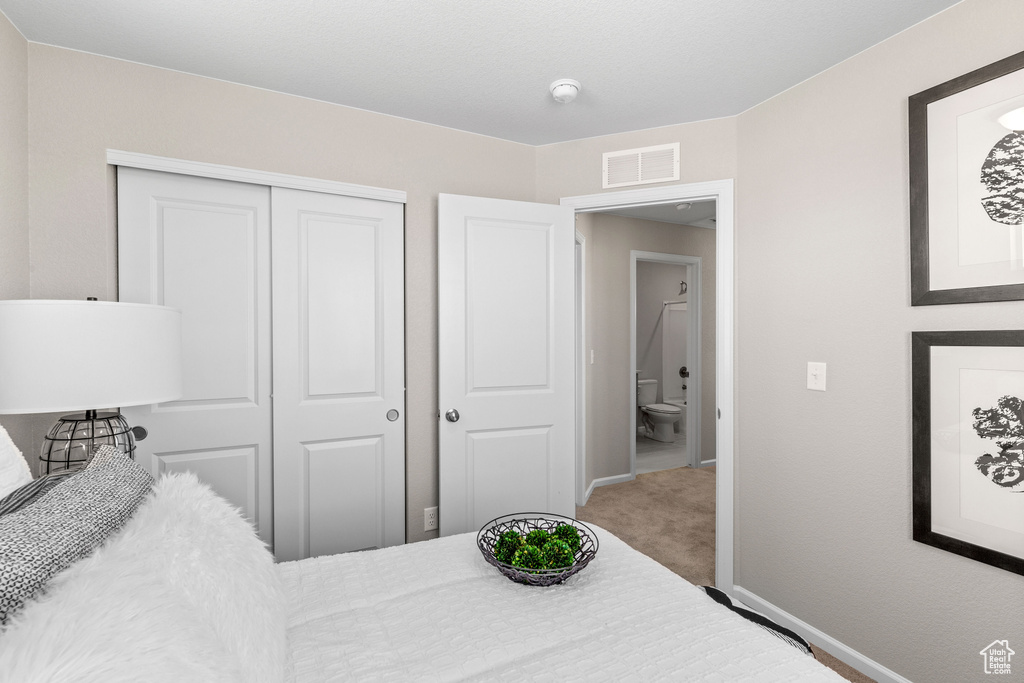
x=640 y=166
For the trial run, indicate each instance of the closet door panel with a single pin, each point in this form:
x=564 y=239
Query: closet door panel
x=203 y=245
x=221 y=467
x=339 y=300
x=345 y=481
x=339 y=461
x=207 y=261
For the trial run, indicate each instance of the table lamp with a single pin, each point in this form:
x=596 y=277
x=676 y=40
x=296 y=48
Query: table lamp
x=81 y=356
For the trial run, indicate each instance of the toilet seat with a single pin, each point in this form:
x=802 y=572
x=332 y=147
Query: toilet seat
x=663 y=408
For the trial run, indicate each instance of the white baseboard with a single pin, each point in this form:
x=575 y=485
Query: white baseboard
x=606 y=481
x=868 y=667
x=709 y=463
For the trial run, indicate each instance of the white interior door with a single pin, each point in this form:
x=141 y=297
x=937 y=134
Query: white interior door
x=339 y=374
x=506 y=337
x=203 y=246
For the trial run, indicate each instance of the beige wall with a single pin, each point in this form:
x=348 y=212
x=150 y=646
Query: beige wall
x=823 y=494
x=14 y=245
x=610 y=386
x=13 y=162
x=80 y=105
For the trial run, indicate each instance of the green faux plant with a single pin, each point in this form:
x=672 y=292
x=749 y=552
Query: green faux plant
x=537 y=537
x=506 y=546
x=539 y=549
x=556 y=554
x=528 y=557
x=569 y=535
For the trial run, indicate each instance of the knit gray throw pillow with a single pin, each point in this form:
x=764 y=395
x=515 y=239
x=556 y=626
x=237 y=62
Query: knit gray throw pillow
x=45 y=537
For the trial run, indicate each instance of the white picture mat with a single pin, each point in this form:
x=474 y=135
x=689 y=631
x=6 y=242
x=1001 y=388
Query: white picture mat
x=965 y=504
x=966 y=247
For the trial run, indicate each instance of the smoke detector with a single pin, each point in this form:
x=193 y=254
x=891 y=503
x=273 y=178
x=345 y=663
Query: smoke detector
x=565 y=90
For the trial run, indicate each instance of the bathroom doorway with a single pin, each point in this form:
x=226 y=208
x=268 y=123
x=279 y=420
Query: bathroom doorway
x=662 y=220
x=665 y=330
x=607 y=411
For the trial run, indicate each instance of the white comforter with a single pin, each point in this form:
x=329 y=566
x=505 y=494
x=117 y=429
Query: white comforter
x=436 y=611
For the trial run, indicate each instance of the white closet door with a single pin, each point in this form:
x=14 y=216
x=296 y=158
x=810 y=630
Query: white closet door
x=339 y=374
x=506 y=360
x=203 y=246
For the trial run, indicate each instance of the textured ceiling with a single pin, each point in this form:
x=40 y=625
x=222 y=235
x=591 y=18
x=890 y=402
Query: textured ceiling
x=484 y=66
x=699 y=214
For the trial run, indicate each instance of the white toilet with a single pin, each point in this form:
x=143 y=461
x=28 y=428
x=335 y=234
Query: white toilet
x=681 y=404
x=661 y=415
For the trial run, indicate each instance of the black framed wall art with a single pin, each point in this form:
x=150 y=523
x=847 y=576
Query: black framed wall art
x=967 y=187
x=968 y=414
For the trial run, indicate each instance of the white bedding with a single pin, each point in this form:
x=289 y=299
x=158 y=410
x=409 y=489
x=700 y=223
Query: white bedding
x=185 y=591
x=436 y=611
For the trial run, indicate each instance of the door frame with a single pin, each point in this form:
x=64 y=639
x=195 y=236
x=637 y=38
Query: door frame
x=581 y=367
x=722 y=192
x=693 y=351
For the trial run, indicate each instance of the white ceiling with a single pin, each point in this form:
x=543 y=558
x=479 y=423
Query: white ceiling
x=699 y=214
x=485 y=65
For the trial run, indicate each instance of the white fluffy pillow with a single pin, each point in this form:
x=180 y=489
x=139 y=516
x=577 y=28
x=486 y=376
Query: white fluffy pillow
x=14 y=471
x=185 y=592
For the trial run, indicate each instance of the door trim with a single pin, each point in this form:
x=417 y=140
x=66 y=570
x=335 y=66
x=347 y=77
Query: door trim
x=581 y=368
x=722 y=192
x=246 y=175
x=693 y=350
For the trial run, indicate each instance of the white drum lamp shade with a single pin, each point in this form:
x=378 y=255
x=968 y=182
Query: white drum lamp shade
x=83 y=355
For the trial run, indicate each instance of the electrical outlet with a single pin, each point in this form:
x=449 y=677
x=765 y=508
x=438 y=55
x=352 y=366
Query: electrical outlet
x=429 y=519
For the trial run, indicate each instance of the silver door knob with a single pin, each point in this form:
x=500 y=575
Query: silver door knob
x=392 y=415
x=452 y=415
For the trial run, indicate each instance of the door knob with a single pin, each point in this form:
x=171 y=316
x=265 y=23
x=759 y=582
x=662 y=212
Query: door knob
x=392 y=415
x=452 y=415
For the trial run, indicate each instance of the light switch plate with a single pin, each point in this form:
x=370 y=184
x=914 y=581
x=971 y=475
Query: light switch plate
x=816 y=376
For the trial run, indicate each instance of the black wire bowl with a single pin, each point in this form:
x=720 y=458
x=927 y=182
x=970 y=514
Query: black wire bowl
x=525 y=522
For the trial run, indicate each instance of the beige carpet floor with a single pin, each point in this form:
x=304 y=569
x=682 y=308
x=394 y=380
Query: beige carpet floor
x=670 y=517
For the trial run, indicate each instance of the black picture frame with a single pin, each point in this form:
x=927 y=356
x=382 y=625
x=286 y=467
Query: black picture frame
x=924 y=383
x=921 y=252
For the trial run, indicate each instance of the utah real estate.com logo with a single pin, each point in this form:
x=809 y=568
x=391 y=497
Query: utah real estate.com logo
x=997 y=657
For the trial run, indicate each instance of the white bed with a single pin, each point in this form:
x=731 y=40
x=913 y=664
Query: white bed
x=437 y=611
x=185 y=591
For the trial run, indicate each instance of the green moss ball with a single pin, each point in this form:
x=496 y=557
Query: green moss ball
x=569 y=535
x=506 y=546
x=556 y=554
x=537 y=537
x=528 y=557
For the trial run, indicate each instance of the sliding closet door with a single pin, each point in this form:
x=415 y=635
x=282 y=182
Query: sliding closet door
x=339 y=374
x=203 y=246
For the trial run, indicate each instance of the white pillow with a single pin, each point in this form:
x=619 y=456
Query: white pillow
x=66 y=524
x=14 y=471
x=184 y=592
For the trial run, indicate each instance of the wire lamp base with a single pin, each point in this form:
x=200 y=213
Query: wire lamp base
x=73 y=440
